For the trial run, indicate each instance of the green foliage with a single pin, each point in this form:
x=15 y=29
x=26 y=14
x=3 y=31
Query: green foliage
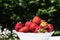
x=23 y=10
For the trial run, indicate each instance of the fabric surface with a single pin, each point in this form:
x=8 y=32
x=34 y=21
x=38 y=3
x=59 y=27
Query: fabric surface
x=55 y=38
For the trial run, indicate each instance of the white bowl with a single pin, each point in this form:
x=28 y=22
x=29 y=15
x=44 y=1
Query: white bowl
x=34 y=36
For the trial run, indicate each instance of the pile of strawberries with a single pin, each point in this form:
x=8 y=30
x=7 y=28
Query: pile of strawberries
x=37 y=25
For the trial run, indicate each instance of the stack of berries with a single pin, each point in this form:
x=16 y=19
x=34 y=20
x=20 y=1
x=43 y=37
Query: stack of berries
x=37 y=25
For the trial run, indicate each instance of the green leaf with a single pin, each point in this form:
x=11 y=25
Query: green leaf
x=0 y=0
x=41 y=31
x=56 y=32
x=51 y=9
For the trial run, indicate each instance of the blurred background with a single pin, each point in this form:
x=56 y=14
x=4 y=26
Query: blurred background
x=12 y=11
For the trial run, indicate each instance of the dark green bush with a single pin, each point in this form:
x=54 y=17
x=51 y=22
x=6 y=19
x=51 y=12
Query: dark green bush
x=12 y=11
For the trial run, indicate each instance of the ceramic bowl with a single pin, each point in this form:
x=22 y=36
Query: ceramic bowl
x=34 y=36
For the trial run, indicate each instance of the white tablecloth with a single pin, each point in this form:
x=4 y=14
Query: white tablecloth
x=55 y=38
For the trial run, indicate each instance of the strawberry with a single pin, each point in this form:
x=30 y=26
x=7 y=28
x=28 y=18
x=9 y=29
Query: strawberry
x=44 y=24
x=46 y=30
x=36 y=20
x=36 y=30
x=24 y=29
x=18 y=26
x=40 y=30
x=42 y=20
x=33 y=26
x=50 y=27
x=28 y=23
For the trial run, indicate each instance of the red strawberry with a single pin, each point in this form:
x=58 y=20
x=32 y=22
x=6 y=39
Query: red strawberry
x=50 y=26
x=24 y=29
x=40 y=30
x=36 y=20
x=45 y=30
x=28 y=23
x=42 y=20
x=33 y=26
x=18 y=26
x=36 y=30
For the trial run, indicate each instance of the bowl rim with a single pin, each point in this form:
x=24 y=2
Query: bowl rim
x=36 y=33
